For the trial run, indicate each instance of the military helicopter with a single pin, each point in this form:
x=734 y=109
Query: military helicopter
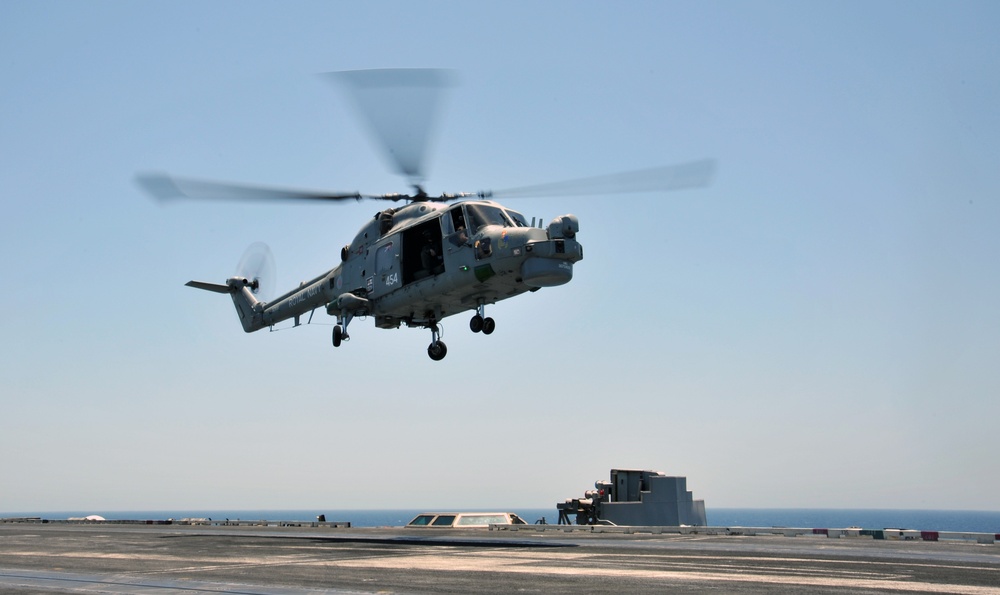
x=433 y=257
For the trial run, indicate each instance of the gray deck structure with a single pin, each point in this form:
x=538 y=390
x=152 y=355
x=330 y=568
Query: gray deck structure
x=636 y=497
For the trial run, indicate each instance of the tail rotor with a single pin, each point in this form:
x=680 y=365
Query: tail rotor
x=257 y=266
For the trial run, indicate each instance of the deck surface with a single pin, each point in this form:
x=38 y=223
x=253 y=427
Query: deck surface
x=95 y=558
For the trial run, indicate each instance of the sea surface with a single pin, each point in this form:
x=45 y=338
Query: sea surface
x=925 y=520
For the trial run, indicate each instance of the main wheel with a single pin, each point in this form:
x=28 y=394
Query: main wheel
x=338 y=335
x=437 y=350
x=476 y=324
x=489 y=325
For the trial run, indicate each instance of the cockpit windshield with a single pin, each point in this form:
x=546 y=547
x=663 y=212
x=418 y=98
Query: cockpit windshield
x=518 y=218
x=482 y=215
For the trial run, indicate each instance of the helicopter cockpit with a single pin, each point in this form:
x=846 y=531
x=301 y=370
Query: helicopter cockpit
x=482 y=215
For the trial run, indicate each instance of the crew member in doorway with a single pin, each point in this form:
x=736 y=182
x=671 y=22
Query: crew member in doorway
x=430 y=255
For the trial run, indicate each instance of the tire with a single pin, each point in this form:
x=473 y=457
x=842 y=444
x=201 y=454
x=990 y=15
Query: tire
x=437 y=350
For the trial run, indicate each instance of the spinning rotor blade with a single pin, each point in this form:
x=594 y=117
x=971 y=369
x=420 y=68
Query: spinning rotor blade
x=165 y=187
x=400 y=106
x=670 y=177
x=257 y=266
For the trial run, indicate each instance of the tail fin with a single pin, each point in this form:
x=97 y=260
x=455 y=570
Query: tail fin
x=209 y=286
x=249 y=308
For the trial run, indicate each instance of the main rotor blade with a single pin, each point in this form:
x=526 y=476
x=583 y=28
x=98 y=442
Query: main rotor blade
x=400 y=106
x=165 y=187
x=695 y=174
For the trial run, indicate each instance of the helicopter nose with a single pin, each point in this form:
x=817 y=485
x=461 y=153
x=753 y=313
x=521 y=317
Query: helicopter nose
x=549 y=263
x=546 y=272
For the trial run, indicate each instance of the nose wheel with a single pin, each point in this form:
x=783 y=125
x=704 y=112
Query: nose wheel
x=437 y=349
x=481 y=324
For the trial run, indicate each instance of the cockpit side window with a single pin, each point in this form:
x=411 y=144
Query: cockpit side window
x=458 y=219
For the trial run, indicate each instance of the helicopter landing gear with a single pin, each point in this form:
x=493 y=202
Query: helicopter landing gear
x=340 y=330
x=437 y=349
x=480 y=324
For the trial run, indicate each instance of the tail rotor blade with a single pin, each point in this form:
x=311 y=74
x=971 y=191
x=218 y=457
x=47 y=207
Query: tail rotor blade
x=257 y=266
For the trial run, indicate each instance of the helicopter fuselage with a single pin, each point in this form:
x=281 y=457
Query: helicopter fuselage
x=429 y=259
x=425 y=261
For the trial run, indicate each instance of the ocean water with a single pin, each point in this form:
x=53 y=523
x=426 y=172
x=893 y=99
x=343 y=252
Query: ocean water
x=926 y=520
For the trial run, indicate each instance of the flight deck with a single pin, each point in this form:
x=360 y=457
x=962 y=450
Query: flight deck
x=309 y=558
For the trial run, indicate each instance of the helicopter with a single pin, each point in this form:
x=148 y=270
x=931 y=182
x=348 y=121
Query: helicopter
x=434 y=256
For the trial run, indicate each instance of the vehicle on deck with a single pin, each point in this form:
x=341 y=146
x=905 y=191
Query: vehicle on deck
x=464 y=520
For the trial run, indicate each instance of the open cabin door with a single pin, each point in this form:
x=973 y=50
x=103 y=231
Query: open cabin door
x=423 y=254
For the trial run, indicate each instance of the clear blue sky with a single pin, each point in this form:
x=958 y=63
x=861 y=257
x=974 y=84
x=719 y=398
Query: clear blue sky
x=819 y=328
